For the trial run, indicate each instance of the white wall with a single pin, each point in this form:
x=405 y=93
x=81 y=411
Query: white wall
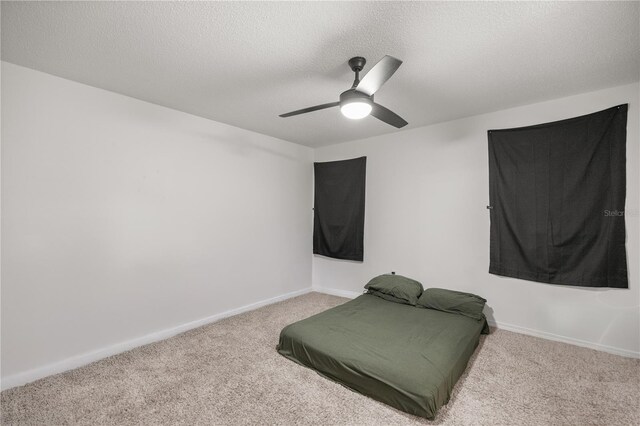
x=122 y=218
x=426 y=217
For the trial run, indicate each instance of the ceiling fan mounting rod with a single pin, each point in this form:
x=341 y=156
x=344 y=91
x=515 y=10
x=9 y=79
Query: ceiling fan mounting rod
x=357 y=64
x=356 y=81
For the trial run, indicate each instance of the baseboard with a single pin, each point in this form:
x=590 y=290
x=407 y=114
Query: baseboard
x=335 y=292
x=514 y=328
x=71 y=363
x=564 y=339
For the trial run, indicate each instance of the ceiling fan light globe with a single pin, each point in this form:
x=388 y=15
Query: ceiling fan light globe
x=356 y=110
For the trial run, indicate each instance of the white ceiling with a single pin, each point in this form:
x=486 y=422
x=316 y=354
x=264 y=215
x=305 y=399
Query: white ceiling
x=244 y=63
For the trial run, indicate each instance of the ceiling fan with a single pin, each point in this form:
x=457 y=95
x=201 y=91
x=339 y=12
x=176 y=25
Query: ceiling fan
x=357 y=102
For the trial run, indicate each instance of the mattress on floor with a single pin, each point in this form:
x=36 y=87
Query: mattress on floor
x=405 y=356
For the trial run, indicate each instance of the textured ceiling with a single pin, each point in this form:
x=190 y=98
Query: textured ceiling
x=244 y=63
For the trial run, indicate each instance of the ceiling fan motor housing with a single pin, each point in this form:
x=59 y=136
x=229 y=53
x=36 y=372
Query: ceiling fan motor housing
x=352 y=95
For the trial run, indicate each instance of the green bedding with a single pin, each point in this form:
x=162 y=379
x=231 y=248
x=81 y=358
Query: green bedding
x=405 y=356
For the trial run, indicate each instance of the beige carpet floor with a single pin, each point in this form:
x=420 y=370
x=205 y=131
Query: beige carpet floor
x=230 y=373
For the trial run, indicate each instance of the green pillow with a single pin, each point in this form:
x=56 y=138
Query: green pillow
x=400 y=287
x=388 y=297
x=452 y=301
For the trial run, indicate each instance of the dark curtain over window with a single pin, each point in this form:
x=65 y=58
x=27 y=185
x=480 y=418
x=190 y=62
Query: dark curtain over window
x=338 y=226
x=557 y=194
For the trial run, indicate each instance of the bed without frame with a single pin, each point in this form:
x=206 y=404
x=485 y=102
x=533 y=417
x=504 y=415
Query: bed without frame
x=408 y=357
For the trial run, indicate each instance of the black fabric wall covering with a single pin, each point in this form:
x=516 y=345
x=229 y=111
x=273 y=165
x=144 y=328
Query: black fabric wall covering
x=338 y=225
x=557 y=194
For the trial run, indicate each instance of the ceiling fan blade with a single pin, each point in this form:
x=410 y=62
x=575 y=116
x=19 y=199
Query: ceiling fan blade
x=310 y=109
x=388 y=116
x=377 y=75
